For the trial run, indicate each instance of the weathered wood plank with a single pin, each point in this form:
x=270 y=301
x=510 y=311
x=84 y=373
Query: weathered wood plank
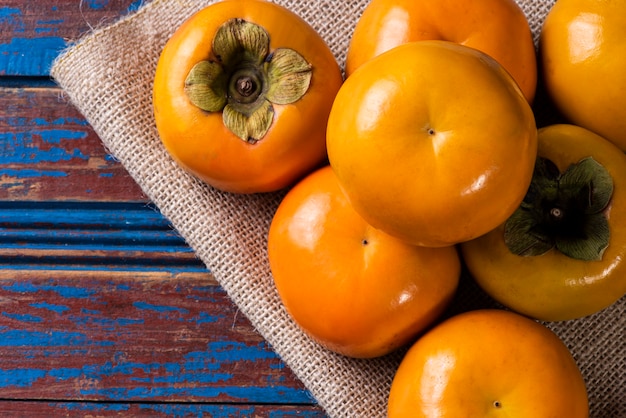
x=49 y=152
x=94 y=215
x=127 y=337
x=104 y=310
x=32 y=33
x=143 y=410
x=144 y=275
x=100 y=260
x=91 y=236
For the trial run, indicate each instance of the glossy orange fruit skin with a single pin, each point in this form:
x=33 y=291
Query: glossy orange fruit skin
x=496 y=27
x=433 y=142
x=488 y=363
x=582 y=47
x=553 y=286
x=199 y=141
x=354 y=289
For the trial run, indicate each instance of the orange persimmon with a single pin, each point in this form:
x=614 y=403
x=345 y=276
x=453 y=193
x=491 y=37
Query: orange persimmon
x=352 y=288
x=242 y=93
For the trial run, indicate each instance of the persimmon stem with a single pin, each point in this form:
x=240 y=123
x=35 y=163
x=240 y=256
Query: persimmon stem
x=556 y=213
x=245 y=79
x=564 y=211
x=246 y=85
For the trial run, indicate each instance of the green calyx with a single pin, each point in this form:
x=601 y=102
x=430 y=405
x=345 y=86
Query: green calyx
x=565 y=211
x=245 y=80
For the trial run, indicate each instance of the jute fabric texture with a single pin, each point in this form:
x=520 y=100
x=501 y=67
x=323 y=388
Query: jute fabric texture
x=108 y=75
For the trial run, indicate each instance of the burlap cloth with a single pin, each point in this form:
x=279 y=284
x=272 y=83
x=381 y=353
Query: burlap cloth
x=108 y=76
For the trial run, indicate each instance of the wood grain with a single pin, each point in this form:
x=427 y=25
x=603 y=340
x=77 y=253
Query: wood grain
x=133 y=338
x=104 y=309
x=148 y=410
x=91 y=235
x=32 y=33
x=49 y=152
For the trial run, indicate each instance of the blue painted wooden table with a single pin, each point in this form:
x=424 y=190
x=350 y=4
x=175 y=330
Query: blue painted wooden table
x=104 y=310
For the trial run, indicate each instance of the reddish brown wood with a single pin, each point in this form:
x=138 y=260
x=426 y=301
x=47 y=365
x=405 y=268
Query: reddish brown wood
x=103 y=312
x=139 y=410
x=64 y=18
x=125 y=336
x=32 y=33
x=49 y=152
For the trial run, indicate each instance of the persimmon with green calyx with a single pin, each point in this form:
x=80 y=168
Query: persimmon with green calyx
x=242 y=93
x=562 y=254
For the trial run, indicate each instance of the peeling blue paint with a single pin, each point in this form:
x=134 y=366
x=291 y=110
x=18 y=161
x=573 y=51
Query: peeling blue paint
x=20 y=121
x=197 y=376
x=222 y=351
x=7 y=13
x=65 y=373
x=301 y=414
x=170 y=377
x=90 y=311
x=177 y=411
x=134 y=6
x=27 y=377
x=205 y=318
x=69 y=121
x=30 y=56
x=214 y=411
x=107 y=324
x=19 y=338
x=248 y=394
x=56 y=136
x=97 y=4
x=129 y=368
x=20 y=377
x=48 y=26
x=91 y=407
x=159 y=308
x=185 y=378
x=227 y=352
x=64 y=291
x=174 y=410
x=29 y=173
x=198 y=411
x=19 y=148
x=27 y=56
x=12 y=17
x=121 y=267
x=23 y=317
x=59 y=309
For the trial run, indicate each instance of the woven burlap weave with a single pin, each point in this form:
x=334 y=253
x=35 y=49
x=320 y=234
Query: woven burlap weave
x=108 y=77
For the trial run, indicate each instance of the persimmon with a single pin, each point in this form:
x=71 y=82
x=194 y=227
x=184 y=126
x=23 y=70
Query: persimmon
x=352 y=288
x=242 y=93
x=581 y=49
x=433 y=142
x=488 y=363
x=498 y=28
x=562 y=254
